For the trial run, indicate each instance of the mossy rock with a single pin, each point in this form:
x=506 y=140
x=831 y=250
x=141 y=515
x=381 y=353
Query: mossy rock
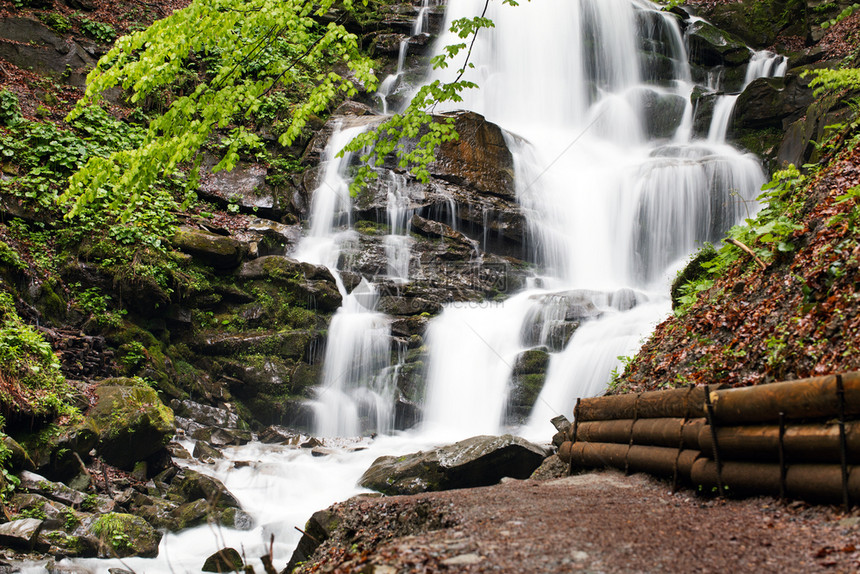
x=122 y=535
x=710 y=46
x=210 y=249
x=131 y=422
x=191 y=485
x=694 y=270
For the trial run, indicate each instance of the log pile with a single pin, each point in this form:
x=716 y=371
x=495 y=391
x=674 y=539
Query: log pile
x=82 y=357
x=797 y=439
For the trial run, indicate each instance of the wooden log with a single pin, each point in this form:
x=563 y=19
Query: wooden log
x=564 y=451
x=802 y=399
x=672 y=403
x=665 y=432
x=803 y=443
x=654 y=460
x=812 y=482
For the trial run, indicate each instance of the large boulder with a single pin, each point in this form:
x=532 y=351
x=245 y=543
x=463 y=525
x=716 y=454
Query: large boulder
x=527 y=380
x=244 y=186
x=31 y=45
x=478 y=461
x=772 y=103
x=478 y=159
x=211 y=249
x=312 y=286
x=21 y=534
x=710 y=46
x=121 y=535
x=131 y=422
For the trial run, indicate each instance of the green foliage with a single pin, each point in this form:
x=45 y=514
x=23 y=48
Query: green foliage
x=46 y=155
x=767 y=234
x=98 y=31
x=56 y=21
x=827 y=80
x=10 y=258
x=36 y=513
x=842 y=15
x=10 y=110
x=111 y=529
x=31 y=380
x=236 y=37
x=96 y=303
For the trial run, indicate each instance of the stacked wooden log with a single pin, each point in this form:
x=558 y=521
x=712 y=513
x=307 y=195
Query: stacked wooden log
x=798 y=439
x=82 y=357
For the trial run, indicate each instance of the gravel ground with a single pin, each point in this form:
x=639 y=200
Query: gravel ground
x=595 y=522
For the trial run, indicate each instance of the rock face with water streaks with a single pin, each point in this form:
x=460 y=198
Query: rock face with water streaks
x=478 y=461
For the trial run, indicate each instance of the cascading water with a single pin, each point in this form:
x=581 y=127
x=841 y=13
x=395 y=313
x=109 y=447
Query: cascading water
x=392 y=83
x=618 y=194
x=763 y=64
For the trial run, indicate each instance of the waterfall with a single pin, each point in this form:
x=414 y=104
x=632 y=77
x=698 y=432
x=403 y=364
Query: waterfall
x=617 y=195
x=392 y=82
x=762 y=64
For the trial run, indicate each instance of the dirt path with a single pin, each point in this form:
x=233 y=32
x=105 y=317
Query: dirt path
x=595 y=522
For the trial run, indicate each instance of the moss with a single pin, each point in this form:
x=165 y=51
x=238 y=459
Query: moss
x=126 y=535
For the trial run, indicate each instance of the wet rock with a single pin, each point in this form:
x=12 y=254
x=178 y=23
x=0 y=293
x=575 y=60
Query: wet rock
x=311 y=285
x=205 y=453
x=710 y=46
x=189 y=485
x=391 y=305
x=319 y=528
x=225 y=560
x=57 y=491
x=236 y=518
x=663 y=113
x=19 y=459
x=288 y=345
x=205 y=414
x=131 y=422
x=278 y=435
x=21 y=534
x=272 y=238
x=527 y=380
x=552 y=467
x=54 y=512
x=223 y=437
x=244 y=186
x=478 y=159
x=772 y=103
x=211 y=249
x=478 y=461
x=122 y=535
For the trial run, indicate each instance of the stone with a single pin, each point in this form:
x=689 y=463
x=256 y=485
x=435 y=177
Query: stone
x=205 y=453
x=313 y=286
x=122 y=535
x=225 y=560
x=710 y=46
x=478 y=159
x=205 y=414
x=130 y=420
x=319 y=528
x=211 y=249
x=663 y=113
x=478 y=461
x=244 y=186
x=189 y=485
x=21 y=534
x=31 y=45
x=552 y=467
x=278 y=435
x=284 y=344
x=19 y=459
x=772 y=103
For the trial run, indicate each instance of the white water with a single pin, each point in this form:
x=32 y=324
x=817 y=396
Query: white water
x=393 y=83
x=614 y=212
x=762 y=64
